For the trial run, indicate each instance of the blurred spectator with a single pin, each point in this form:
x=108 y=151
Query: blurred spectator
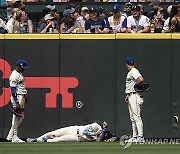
x=166 y=23
x=117 y=22
x=57 y=18
x=82 y=19
x=49 y=26
x=127 y=9
x=49 y=9
x=68 y=22
x=9 y=24
x=36 y=1
x=77 y=25
x=137 y=23
x=2 y=27
x=14 y=4
x=157 y=16
x=174 y=21
x=72 y=6
x=2 y=24
x=60 y=0
x=102 y=15
x=95 y=24
x=21 y=23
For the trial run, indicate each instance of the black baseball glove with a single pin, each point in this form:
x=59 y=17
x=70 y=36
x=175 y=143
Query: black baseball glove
x=141 y=88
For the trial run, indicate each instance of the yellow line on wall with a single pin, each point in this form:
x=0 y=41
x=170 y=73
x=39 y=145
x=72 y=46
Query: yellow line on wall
x=88 y=36
x=1 y=36
x=32 y=36
x=143 y=36
x=176 y=36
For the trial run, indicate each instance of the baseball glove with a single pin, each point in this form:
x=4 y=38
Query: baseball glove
x=18 y=112
x=141 y=88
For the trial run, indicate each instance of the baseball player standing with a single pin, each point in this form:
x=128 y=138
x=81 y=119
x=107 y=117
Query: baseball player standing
x=18 y=99
x=134 y=100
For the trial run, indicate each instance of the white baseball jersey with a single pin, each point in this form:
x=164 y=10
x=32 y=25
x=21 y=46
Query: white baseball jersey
x=16 y=79
x=137 y=25
x=94 y=127
x=116 y=23
x=131 y=78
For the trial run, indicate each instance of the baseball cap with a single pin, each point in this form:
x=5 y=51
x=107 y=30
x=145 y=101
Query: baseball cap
x=93 y=9
x=84 y=8
x=48 y=16
x=155 y=2
x=101 y=10
x=128 y=4
x=129 y=60
x=136 y=7
x=22 y=63
x=67 y=12
x=169 y=9
x=51 y=7
x=116 y=8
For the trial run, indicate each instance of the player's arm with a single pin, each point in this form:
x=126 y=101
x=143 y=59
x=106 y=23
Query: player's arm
x=139 y=80
x=14 y=95
x=87 y=132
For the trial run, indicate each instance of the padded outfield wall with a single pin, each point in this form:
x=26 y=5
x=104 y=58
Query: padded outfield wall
x=79 y=79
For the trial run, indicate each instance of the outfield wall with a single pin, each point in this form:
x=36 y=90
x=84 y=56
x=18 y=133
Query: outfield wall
x=67 y=71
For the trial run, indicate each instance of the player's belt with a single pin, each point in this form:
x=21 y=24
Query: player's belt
x=22 y=94
x=129 y=94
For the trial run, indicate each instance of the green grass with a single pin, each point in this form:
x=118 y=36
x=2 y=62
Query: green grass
x=86 y=148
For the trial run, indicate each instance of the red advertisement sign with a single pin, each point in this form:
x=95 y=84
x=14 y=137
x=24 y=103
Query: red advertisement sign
x=57 y=85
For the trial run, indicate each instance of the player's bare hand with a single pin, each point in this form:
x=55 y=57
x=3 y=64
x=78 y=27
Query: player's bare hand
x=105 y=124
x=127 y=98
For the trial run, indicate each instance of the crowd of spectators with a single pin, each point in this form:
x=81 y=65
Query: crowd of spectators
x=75 y=19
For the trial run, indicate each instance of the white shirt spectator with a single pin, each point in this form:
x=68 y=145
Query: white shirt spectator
x=137 y=25
x=82 y=21
x=116 y=23
x=9 y=25
x=2 y=24
x=166 y=24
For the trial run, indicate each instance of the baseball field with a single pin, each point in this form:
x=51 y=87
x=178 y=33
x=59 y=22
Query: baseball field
x=86 y=148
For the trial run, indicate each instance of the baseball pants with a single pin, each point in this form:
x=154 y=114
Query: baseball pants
x=134 y=105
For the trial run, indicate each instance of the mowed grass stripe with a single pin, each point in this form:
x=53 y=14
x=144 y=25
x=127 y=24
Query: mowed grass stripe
x=86 y=148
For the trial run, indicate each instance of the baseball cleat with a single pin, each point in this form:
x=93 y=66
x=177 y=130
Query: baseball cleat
x=140 y=139
x=31 y=140
x=44 y=139
x=9 y=139
x=132 y=140
x=17 y=140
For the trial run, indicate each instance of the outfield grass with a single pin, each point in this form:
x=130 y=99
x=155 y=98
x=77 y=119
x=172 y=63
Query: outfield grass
x=86 y=148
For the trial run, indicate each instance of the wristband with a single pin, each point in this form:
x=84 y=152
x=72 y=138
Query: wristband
x=13 y=91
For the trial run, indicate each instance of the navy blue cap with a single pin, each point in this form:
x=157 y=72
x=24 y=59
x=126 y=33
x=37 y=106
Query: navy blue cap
x=22 y=63
x=129 y=60
x=116 y=8
x=128 y=4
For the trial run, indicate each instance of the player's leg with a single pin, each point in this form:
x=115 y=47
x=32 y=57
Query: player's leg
x=65 y=138
x=71 y=130
x=134 y=128
x=135 y=104
x=16 y=120
x=52 y=134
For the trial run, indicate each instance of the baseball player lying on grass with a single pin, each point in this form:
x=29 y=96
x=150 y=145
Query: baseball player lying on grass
x=90 y=132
